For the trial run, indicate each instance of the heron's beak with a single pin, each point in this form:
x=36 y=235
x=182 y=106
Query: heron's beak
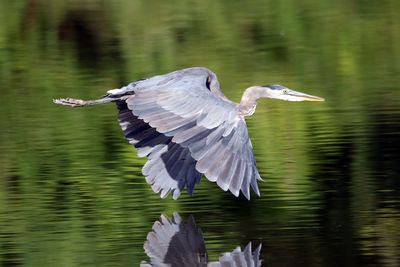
x=301 y=96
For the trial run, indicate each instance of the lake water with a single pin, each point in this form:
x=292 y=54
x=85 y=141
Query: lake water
x=71 y=188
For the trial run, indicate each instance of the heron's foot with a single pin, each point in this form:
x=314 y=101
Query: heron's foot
x=70 y=102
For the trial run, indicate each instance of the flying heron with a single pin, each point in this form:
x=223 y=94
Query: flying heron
x=186 y=127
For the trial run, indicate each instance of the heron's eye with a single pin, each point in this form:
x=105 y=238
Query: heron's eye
x=285 y=91
x=208 y=81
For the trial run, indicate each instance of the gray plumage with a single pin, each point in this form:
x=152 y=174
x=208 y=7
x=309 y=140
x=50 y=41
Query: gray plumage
x=186 y=127
x=175 y=244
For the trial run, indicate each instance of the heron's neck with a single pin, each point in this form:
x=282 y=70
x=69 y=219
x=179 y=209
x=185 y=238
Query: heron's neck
x=248 y=102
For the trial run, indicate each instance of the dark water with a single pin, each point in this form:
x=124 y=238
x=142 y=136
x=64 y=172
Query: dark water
x=71 y=188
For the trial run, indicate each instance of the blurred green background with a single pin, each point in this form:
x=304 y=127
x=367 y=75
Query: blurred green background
x=71 y=188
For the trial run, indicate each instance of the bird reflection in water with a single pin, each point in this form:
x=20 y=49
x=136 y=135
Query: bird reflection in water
x=174 y=244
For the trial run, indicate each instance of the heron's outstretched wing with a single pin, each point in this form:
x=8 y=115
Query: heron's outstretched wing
x=170 y=167
x=172 y=243
x=181 y=106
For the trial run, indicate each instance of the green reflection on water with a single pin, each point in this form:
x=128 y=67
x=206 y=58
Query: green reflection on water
x=71 y=190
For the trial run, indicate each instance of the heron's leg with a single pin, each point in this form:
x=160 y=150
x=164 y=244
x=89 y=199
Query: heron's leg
x=72 y=102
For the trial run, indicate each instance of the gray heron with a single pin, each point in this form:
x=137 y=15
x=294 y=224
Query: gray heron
x=186 y=127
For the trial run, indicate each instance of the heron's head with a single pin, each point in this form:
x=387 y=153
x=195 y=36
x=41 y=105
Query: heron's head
x=281 y=92
x=249 y=99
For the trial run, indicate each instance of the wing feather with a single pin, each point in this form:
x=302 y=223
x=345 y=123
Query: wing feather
x=193 y=135
x=203 y=146
x=184 y=127
x=182 y=124
x=193 y=177
x=214 y=158
x=245 y=188
x=228 y=172
x=165 y=158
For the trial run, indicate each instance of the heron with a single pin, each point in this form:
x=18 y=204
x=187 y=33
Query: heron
x=174 y=243
x=186 y=127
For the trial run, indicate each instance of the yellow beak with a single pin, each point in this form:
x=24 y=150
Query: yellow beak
x=306 y=97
